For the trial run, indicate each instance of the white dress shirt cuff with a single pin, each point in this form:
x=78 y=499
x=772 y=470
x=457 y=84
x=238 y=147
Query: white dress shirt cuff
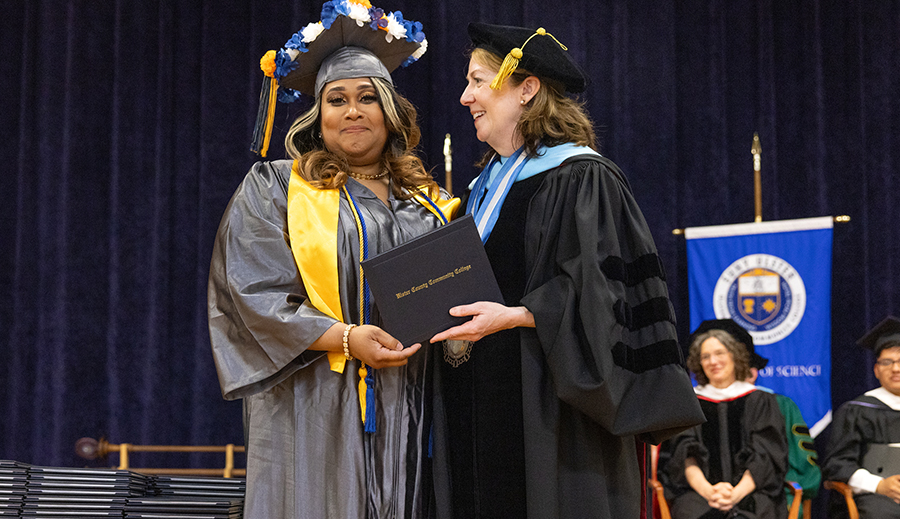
x=863 y=481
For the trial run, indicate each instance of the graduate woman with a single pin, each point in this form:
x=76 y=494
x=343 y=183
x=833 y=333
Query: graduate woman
x=334 y=405
x=540 y=407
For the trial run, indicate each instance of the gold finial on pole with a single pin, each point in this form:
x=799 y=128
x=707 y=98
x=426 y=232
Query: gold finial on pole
x=757 y=179
x=448 y=165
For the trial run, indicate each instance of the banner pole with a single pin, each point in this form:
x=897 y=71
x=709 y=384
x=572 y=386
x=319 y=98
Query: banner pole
x=756 y=150
x=448 y=165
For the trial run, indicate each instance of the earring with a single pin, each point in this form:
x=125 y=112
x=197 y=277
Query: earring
x=521 y=101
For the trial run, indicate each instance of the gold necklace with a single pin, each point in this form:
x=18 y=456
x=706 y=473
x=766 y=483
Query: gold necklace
x=368 y=177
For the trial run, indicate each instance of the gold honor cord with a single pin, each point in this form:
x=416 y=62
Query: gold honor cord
x=443 y=209
x=363 y=371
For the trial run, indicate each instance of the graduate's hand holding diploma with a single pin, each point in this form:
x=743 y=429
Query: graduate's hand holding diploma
x=368 y=343
x=377 y=348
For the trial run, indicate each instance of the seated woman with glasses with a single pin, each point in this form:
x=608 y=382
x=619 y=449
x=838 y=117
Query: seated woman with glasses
x=734 y=464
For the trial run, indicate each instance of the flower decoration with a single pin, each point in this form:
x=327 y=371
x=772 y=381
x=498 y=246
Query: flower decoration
x=423 y=47
x=378 y=19
x=312 y=31
x=284 y=64
x=331 y=10
x=279 y=64
x=296 y=42
x=414 y=31
x=286 y=95
x=395 y=27
x=304 y=36
x=360 y=13
x=267 y=63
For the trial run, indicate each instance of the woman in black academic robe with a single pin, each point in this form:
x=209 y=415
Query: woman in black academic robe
x=734 y=464
x=539 y=417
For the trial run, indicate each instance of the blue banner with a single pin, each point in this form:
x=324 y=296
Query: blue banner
x=774 y=279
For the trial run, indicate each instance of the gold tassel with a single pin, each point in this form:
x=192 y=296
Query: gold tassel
x=270 y=116
x=361 y=389
x=510 y=64
x=511 y=61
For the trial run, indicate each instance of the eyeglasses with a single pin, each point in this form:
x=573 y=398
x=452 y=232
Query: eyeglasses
x=706 y=357
x=887 y=363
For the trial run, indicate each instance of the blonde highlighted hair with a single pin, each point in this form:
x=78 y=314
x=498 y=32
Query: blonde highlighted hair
x=328 y=170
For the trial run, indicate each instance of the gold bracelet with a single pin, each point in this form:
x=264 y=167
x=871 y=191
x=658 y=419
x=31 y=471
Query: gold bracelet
x=347 y=341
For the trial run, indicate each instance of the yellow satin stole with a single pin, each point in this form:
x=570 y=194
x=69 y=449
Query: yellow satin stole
x=312 y=227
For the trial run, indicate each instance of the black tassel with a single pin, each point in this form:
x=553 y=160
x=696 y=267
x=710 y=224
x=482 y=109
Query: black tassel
x=259 y=144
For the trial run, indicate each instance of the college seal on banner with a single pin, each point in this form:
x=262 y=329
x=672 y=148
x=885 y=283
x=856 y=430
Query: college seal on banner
x=762 y=293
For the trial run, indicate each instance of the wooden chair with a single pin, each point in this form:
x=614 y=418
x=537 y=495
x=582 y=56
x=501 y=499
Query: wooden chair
x=844 y=490
x=794 y=510
x=659 y=499
x=660 y=504
x=660 y=507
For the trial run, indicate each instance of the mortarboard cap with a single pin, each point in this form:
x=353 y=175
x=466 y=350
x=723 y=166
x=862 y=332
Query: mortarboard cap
x=885 y=332
x=738 y=332
x=536 y=51
x=352 y=39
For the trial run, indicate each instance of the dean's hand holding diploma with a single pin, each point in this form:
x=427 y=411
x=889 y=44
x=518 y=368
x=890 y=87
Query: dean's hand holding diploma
x=487 y=318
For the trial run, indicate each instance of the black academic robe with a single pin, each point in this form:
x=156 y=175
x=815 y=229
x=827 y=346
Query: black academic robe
x=740 y=434
x=857 y=424
x=542 y=422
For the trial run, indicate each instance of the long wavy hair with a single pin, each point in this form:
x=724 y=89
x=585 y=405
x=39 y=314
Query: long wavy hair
x=328 y=170
x=738 y=351
x=550 y=118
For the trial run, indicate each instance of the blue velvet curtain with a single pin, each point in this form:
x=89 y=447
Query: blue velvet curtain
x=125 y=127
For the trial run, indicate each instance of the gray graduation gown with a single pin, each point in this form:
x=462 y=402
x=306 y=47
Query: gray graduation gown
x=307 y=453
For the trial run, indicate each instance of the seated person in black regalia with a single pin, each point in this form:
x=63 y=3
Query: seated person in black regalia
x=803 y=467
x=733 y=465
x=872 y=419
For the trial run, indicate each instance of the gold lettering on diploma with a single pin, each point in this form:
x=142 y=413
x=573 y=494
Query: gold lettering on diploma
x=434 y=281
